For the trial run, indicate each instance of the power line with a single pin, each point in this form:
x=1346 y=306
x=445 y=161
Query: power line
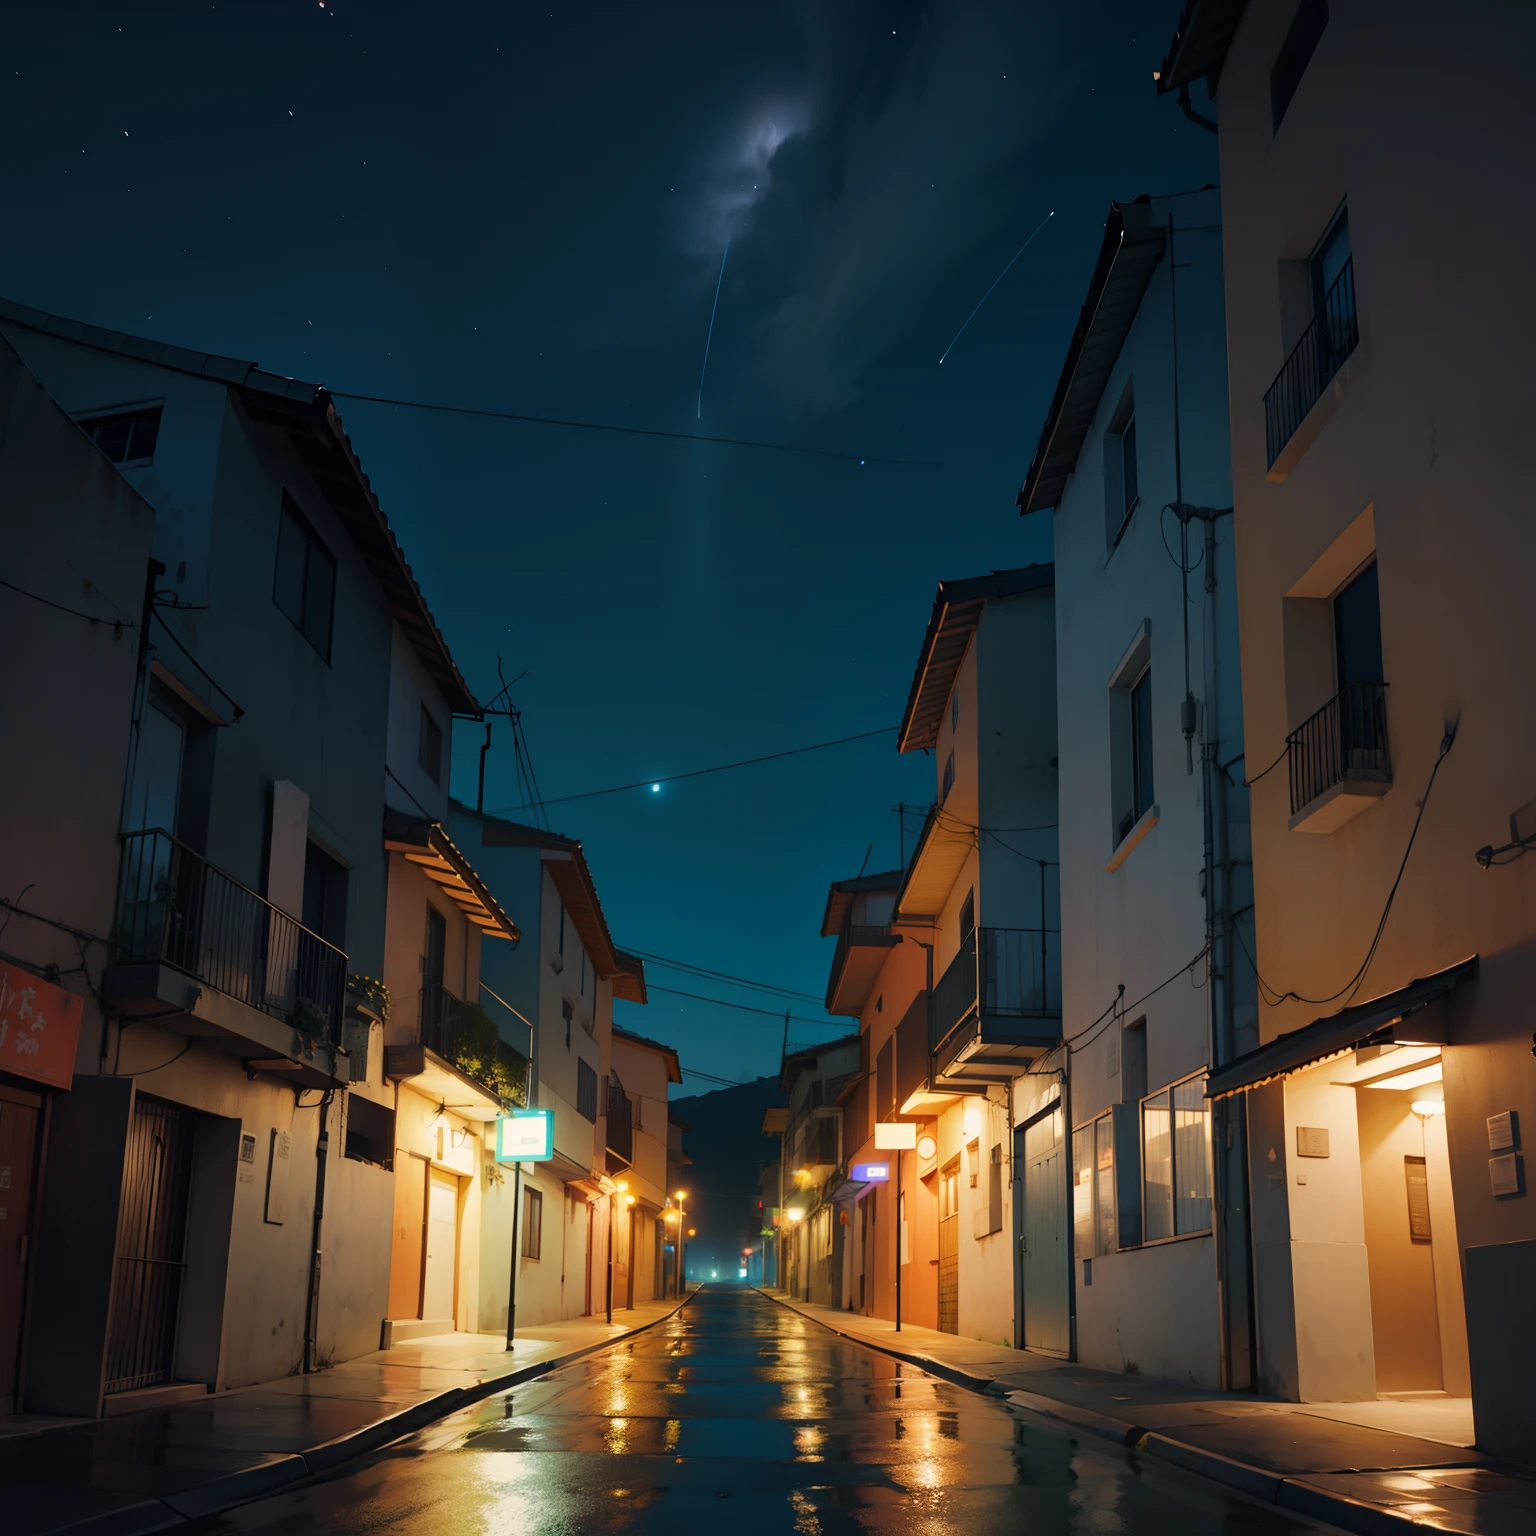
x=771 y=1013
x=603 y=426
x=76 y=613
x=740 y=981
x=698 y=773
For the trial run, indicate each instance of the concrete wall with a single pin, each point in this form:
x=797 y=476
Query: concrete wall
x=71 y=531
x=1425 y=427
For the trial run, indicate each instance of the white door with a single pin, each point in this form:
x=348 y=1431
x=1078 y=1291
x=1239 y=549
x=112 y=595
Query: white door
x=442 y=1246
x=1043 y=1228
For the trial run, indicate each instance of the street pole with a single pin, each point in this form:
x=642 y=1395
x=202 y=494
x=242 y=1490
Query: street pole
x=517 y=1189
x=608 y=1288
x=900 y=1223
x=682 y=1239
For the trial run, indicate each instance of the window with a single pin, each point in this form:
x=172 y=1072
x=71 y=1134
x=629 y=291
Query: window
x=586 y=1091
x=429 y=747
x=1357 y=631
x=567 y=1013
x=325 y=896
x=126 y=437
x=1141 y=752
x=1122 y=492
x=370 y=1131
x=1176 y=1161
x=1295 y=54
x=968 y=915
x=949 y=778
x=1327 y=267
x=954 y=710
x=989 y=1214
x=305 y=584
x=1094 y=1228
x=533 y=1223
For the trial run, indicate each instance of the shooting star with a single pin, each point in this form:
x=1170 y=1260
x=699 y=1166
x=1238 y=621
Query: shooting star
x=988 y=294
x=699 y=412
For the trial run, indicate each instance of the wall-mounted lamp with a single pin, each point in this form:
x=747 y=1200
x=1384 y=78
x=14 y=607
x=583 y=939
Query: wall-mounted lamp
x=927 y=1148
x=1429 y=1106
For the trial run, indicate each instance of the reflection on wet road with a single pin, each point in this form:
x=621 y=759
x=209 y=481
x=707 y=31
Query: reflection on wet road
x=739 y=1416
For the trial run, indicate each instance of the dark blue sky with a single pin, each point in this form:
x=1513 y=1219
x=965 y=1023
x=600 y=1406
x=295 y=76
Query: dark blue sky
x=524 y=207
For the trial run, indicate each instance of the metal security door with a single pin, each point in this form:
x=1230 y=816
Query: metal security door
x=151 y=1239
x=19 y=1116
x=949 y=1248
x=1042 y=1235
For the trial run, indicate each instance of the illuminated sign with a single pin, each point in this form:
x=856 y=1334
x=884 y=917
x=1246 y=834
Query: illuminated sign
x=525 y=1136
x=870 y=1173
x=895 y=1135
x=39 y=1027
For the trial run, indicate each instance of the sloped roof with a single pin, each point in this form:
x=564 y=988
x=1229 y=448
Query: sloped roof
x=957 y=609
x=307 y=414
x=1132 y=247
x=674 y=1068
x=1199 y=47
x=629 y=978
x=567 y=867
x=427 y=845
x=840 y=897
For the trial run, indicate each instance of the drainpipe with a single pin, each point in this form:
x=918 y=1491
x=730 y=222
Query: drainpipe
x=312 y=1300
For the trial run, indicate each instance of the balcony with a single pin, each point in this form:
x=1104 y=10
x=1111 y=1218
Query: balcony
x=193 y=944
x=1324 y=347
x=458 y=1055
x=856 y=963
x=1338 y=759
x=816 y=1147
x=621 y=1130
x=996 y=1008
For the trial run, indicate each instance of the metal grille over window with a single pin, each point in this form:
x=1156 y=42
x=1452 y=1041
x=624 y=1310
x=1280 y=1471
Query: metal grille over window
x=586 y=1091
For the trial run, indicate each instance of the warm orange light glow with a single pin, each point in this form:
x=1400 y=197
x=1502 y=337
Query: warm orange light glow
x=692 y=1232
x=622 y=1185
x=682 y=1194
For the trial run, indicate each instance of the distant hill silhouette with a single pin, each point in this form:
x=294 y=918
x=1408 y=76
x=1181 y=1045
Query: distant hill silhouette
x=725 y=1140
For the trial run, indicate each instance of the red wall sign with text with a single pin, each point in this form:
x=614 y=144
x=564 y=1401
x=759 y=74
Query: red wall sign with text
x=39 y=1028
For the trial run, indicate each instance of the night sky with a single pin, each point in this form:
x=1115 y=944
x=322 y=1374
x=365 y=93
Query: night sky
x=524 y=208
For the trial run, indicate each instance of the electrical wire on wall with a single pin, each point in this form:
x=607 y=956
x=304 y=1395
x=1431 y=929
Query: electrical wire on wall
x=1274 y=996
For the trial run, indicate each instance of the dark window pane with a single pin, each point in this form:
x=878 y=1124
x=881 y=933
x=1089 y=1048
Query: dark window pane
x=533 y=1223
x=127 y=437
x=288 y=586
x=1329 y=262
x=1141 y=745
x=1357 y=631
x=1128 y=463
x=319 y=598
x=429 y=747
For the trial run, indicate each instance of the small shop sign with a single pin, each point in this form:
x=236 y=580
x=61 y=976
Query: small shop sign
x=39 y=1028
x=525 y=1136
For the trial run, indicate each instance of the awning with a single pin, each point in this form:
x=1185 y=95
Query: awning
x=1384 y=1020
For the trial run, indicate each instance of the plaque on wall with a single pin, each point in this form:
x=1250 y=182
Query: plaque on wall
x=1417 y=1173
x=1311 y=1141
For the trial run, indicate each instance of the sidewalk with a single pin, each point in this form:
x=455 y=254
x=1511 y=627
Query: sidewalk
x=1374 y=1468
x=154 y=1470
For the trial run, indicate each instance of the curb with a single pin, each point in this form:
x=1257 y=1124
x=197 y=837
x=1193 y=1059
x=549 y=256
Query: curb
x=1295 y=1494
x=950 y=1373
x=290 y=1471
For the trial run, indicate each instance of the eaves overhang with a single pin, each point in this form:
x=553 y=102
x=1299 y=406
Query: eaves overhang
x=1199 y=47
x=426 y=844
x=841 y=893
x=942 y=849
x=674 y=1069
x=1399 y=1018
x=957 y=608
x=1132 y=247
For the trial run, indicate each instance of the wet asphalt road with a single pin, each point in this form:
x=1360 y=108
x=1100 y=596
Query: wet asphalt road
x=739 y=1416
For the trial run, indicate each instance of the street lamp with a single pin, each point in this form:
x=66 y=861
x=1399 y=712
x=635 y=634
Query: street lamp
x=681 y=1196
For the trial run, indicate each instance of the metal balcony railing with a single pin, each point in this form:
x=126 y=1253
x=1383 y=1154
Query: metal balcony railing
x=175 y=908
x=1346 y=739
x=1333 y=334
x=621 y=1129
x=1012 y=973
x=467 y=1035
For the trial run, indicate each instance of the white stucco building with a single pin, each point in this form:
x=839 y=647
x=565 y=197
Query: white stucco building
x=1153 y=835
